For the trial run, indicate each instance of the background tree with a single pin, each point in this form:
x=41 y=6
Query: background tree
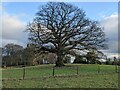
x=61 y=27
x=29 y=54
x=67 y=59
x=91 y=57
x=51 y=58
x=78 y=59
x=109 y=61
x=39 y=58
x=12 y=54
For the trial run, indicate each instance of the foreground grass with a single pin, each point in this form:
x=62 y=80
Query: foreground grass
x=96 y=81
x=41 y=77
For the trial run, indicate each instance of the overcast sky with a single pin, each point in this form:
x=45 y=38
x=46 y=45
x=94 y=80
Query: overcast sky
x=15 y=17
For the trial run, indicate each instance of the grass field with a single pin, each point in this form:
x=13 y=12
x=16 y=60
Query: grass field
x=42 y=77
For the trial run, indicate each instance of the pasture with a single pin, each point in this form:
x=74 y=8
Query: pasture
x=70 y=76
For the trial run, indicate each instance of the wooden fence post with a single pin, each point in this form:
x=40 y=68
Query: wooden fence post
x=23 y=72
x=116 y=68
x=98 y=68
x=115 y=63
x=77 y=70
x=53 y=71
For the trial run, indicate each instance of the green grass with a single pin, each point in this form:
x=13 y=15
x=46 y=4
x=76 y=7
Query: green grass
x=41 y=77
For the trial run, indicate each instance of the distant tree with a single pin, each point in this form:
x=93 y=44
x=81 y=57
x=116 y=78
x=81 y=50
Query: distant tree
x=79 y=59
x=51 y=58
x=108 y=61
x=29 y=54
x=67 y=59
x=61 y=27
x=38 y=59
x=115 y=61
x=91 y=57
x=48 y=57
x=11 y=48
x=12 y=54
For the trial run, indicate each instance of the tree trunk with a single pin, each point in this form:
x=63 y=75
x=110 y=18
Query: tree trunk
x=59 y=62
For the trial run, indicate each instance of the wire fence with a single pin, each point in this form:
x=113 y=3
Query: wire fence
x=49 y=70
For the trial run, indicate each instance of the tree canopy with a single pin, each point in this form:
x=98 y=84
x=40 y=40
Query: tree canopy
x=61 y=28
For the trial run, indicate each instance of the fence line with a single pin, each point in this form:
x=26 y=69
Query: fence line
x=75 y=70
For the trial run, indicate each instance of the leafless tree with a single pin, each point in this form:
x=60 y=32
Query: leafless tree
x=61 y=27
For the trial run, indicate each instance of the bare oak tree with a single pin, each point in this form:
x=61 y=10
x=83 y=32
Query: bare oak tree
x=61 y=27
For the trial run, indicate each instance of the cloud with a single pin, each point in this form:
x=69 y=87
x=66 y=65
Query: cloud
x=13 y=29
x=110 y=24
